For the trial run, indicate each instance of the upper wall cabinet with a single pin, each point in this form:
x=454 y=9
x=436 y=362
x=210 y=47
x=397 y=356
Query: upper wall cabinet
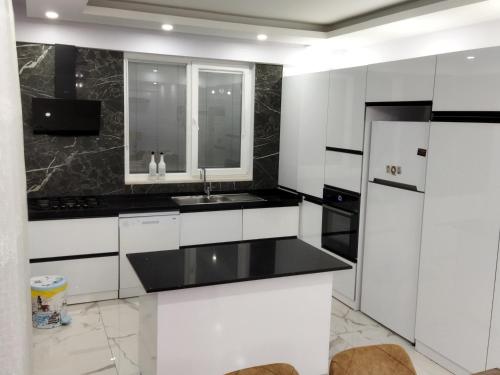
x=289 y=131
x=346 y=108
x=401 y=81
x=312 y=133
x=468 y=81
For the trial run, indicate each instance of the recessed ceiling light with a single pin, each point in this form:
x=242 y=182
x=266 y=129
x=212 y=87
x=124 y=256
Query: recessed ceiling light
x=262 y=37
x=471 y=57
x=167 y=27
x=155 y=83
x=52 y=15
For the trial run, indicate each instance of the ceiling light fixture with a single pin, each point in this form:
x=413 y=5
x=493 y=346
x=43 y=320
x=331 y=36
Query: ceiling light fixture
x=167 y=27
x=471 y=57
x=155 y=83
x=51 y=15
x=155 y=70
x=262 y=37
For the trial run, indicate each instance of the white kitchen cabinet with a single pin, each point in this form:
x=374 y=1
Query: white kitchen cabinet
x=344 y=282
x=494 y=344
x=346 y=108
x=311 y=215
x=468 y=81
x=312 y=133
x=391 y=257
x=56 y=238
x=142 y=233
x=401 y=81
x=211 y=227
x=89 y=279
x=343 y=170
x=459 y=251
x=289 y=131
x=270 y=222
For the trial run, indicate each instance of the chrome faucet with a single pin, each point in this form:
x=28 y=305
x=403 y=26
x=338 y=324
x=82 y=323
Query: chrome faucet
x=206 y=186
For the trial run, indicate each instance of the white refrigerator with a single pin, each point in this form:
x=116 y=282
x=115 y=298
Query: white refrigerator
x=393 y=226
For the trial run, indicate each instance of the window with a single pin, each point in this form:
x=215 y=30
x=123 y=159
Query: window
x=199 y=115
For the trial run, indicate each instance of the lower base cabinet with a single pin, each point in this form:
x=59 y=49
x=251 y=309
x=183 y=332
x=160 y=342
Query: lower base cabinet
x=199 y=228
x=270 y=222
x=344 y=282
x=89 y=279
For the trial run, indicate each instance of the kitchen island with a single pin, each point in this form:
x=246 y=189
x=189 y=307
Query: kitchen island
x=212 y=309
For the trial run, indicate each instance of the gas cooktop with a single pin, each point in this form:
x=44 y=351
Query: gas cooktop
x=65 y=203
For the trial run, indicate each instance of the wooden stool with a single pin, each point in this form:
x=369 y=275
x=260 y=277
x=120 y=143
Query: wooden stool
x=385 y=359
x=273 y=369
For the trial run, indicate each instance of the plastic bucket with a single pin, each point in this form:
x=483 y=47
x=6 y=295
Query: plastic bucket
x=48 y=300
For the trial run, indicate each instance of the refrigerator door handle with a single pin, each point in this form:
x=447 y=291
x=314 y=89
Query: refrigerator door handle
x=397 y=185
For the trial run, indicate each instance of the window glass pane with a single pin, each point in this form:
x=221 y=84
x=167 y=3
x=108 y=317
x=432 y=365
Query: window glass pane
x=157 y=115
x=219 y=117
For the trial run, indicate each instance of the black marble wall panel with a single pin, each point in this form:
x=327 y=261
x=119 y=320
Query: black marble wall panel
x=94 y=165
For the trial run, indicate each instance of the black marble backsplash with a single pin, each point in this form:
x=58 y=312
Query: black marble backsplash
x=94 y=165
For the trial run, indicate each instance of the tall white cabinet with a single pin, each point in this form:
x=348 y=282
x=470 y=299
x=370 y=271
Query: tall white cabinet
x=312 y=133
x=346 y=108
x=459 y=253
x=289 y=131
x=304 y=110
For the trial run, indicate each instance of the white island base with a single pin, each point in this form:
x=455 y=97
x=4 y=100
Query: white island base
x=216 y=329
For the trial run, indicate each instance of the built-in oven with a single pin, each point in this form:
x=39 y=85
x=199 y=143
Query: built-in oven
x=340 y=224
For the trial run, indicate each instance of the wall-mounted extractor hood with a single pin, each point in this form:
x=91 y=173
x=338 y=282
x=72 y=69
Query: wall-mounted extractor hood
x=66 y=115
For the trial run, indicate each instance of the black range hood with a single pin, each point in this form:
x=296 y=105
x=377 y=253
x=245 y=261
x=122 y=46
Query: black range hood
x=65 y=115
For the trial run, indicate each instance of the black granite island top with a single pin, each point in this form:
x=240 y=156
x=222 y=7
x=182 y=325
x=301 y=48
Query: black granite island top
x=205 y=265
x=113 y=205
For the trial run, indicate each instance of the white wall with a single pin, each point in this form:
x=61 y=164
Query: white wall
x=147 y=41
x=325 y=57
x=15 y=313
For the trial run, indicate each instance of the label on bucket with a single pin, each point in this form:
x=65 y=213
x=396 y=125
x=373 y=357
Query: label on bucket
x=48 y=300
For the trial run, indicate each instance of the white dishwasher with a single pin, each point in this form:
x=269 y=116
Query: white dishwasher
x=140 y=233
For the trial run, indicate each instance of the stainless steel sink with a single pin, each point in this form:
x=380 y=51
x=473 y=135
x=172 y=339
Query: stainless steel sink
x=191 y=200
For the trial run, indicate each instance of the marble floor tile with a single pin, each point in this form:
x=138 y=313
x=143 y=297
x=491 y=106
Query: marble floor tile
x=80 y=348
x=353 y=328
x=103 y=340
x=121 y=323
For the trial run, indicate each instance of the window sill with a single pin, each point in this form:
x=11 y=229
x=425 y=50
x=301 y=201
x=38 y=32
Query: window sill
x=145 y=179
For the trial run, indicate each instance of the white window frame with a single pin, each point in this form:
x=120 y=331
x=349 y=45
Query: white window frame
x=193 y=173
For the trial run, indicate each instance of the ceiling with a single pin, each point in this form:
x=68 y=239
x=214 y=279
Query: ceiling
x=284 y=21
x=314 y=14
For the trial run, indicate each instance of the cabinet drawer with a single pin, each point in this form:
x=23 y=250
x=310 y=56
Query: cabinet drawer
x=210 y=227
x=88 y=278
x=343 y=170
x=270 y=222
x=55 y=238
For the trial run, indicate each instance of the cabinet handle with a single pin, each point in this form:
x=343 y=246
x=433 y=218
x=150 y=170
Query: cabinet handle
x=151 y=222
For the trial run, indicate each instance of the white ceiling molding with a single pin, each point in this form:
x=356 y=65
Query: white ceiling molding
x=217 y=20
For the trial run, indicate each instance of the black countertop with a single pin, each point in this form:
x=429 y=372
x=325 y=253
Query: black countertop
x=205 y=265
x=113 y=205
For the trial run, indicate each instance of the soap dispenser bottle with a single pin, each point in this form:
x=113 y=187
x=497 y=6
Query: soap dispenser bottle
x=162 y=167
x=152 y=165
